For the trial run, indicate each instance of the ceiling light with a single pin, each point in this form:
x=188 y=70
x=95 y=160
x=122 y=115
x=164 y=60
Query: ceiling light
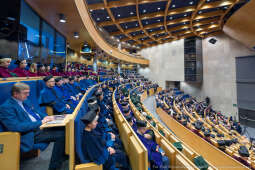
x=207 y=0
x=108 y=17
x=173 y=6
x=171 y=18
x=158 y=8
x=136 y=25
x=91 y=10
x=118 y=15
x=191 y=2
x=76 y=35
x=185 y=15
x=158 y=20
x=131 y=13
x=144 y=10
x=162 y=28
x=118 y=40
x=200 y=12
x=98 y=19
x=226 y=7
x=102 y=8
x=126 y=27
x=62 y=18
x=147 y=22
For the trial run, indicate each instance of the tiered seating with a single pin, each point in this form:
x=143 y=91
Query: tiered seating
x=134 y=148
x=10 y=141
x=216 y=156
x=165 y=139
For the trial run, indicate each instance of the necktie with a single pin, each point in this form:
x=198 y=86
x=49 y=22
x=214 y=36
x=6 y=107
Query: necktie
x=31 y=112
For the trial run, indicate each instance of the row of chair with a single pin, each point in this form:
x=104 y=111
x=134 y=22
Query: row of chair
x=179 y=159
x=201 y=146
x=134 y=148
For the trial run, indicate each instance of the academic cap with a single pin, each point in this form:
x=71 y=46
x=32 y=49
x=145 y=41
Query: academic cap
x=58 y=79
x=47 y=78
x=89 y=117
x=141 y=123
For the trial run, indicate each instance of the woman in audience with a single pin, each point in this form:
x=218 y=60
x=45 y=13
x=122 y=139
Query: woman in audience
x=47 y=69
x=95 y=147
x=33 y=70
x=41 y=70
x=4 y=64
x=21 y=71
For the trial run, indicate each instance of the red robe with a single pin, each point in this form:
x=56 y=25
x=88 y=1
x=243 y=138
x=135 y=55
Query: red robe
x=5 y=72
x=20 y=72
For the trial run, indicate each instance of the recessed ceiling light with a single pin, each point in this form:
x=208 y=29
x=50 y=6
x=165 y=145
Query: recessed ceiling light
x=226 y=7
x=91 y=10
x=107 y=17
x=170 y=17
x=136 y=25
x=118 y=15
x=185 y=15
x=158 y=20
x=131 y=13
x=62 y=18
x=98 y=19
x=207 y=0
x=173 y=6
x=76 y=35
x=191 y=2
x=162 y=28
x=126 y=27
x=147 y=22
x=144 y=10
x=200 y=12
x=158 y=8
x=102 y=8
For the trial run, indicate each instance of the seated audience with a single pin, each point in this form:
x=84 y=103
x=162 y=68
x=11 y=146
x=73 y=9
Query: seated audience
x=17 y=115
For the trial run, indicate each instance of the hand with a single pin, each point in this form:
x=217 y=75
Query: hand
x=73 y=98
x=112 y=135
x=47 y=119
x=111 y=150
x=67 y=106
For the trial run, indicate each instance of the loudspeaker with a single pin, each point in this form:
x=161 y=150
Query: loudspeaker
x=212 y=41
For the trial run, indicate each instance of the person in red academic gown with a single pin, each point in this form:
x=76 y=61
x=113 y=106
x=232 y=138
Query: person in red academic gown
x=33 y=70
x=20 y=71
x=4 y=64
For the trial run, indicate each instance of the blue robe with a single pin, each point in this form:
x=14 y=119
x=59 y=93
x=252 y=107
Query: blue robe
x=95 y=150
x=48 y=96
x=156 y=159
x=62 y=94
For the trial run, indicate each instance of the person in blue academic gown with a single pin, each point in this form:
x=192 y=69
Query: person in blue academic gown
x=63 y=94
x=156 y=158
x=17 y=114
x=95 y=148
x=49 y=97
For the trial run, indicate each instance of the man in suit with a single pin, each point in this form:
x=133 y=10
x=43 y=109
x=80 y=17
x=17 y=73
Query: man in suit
x=17 y=115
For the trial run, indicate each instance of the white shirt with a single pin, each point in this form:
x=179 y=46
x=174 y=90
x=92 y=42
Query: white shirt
x=29 y=115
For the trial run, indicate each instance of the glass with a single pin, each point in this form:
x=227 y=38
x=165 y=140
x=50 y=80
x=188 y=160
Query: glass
x=29 y=33
x=60 y=45
x=47 y=48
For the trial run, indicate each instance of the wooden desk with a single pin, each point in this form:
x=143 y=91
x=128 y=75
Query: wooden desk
x=65 y=121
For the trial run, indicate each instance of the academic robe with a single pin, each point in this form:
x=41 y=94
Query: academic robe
x=5 y=72
x=54 y=73
x=42 y=74
x=21 y=72
x=95 y=150
x=31 y=74
x=62 y=94
x=153 y=156
x=49 y=96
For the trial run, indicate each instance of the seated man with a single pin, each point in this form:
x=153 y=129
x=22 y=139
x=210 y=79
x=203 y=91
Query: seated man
x=156 y=156
x=17 y=115
x=49 y=97
x=95 y=147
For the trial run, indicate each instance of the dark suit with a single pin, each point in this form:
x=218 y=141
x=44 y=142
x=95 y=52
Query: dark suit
x=14 y=118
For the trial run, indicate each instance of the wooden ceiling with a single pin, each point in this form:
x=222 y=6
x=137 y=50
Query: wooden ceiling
x=146 y=23
x=50 y=10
